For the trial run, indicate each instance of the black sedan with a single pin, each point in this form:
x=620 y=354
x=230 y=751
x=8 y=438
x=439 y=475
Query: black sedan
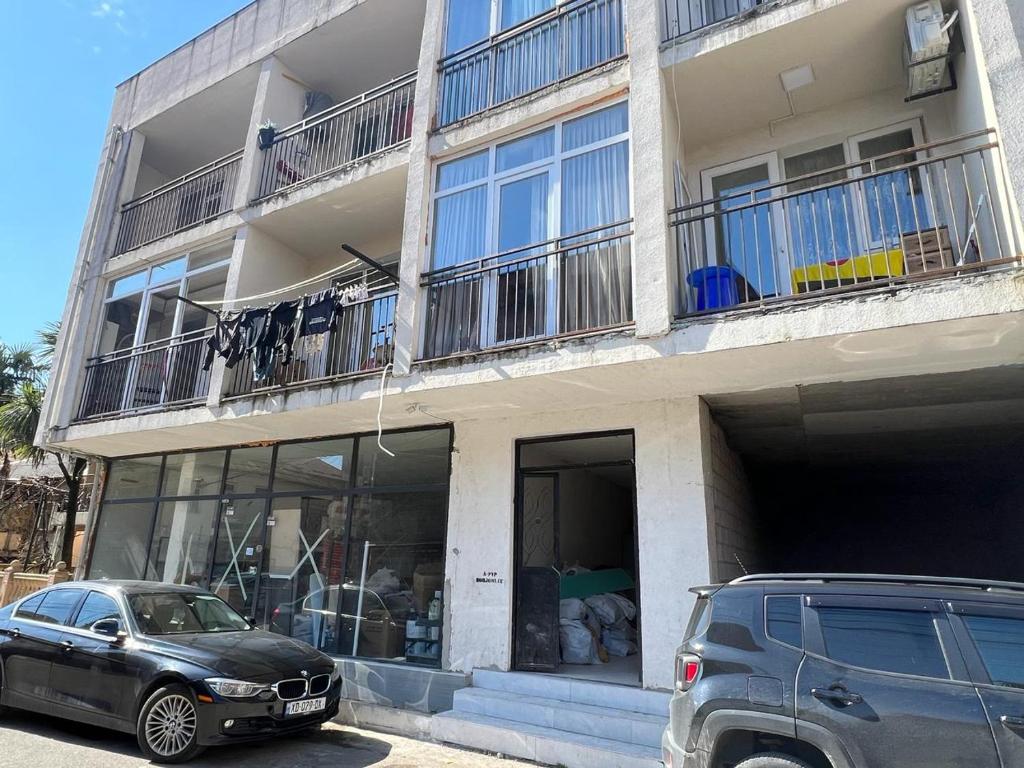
x=176 y=666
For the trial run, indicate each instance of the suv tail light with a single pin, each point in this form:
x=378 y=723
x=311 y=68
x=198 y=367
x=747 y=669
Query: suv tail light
x=687 y=670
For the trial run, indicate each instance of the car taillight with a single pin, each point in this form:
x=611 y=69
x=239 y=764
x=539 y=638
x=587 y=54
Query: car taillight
x=687 y=670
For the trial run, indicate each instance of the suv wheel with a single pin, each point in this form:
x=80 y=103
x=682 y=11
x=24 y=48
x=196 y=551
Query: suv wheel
x=168 y=727
x=772 y=760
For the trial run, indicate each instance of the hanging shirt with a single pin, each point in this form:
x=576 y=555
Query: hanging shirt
x=256 y=325
x=318 y=313
x=281 y=330
x=226 y=341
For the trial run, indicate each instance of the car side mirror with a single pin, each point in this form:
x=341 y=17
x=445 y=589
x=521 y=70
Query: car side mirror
x=251 y=621
x=110 y=628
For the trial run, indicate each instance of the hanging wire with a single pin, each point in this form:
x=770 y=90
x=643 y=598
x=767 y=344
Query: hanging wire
x=380 y=409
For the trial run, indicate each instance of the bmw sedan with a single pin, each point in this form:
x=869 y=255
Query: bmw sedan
x=176 y=666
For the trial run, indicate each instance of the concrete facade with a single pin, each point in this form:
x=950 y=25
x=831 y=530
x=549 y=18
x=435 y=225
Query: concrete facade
x=691 y=110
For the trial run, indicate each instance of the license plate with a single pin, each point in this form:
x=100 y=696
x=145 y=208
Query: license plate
x=306 y=706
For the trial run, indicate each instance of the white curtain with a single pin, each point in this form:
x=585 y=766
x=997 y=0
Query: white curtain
x=515 y=11
x=595 y=281
x=468 y=22
x=459 y=227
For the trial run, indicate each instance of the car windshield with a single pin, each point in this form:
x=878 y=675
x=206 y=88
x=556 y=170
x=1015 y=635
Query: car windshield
x=176 y=613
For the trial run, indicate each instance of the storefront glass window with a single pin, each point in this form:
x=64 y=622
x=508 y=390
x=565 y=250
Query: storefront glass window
x=133 y=478
x=193 y=474
x=343 y=548
x=325 y=465
x=120 y=549
x=180 y=552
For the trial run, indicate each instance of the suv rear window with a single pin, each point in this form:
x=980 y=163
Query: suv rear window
x=1000 y=643
x=883 y=639
x=782 y=619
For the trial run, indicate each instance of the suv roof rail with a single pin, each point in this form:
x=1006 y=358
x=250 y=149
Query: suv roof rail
x=881 y=578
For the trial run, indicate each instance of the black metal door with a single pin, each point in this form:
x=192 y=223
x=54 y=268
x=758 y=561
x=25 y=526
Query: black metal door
x=537 y=575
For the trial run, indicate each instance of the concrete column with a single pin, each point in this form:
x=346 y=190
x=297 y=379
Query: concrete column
x=653 y=290
x=1000 y=36
x=671 y=500
x=280 y=97
x=409 y=310
x=218 y=373
x=115 y=179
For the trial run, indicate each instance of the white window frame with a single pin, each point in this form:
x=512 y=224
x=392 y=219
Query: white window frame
x=493 y=179
x=150 y=287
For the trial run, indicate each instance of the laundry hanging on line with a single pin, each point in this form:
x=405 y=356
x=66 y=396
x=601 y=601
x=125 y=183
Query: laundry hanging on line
x=266 y=335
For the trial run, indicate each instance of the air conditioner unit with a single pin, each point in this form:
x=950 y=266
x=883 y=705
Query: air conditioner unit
x=927 y=46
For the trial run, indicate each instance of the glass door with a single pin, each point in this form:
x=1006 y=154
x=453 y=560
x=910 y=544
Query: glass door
x=895 y=202
x=518 y=292
x=745 y=234
x=537 y=575
x=238 y=553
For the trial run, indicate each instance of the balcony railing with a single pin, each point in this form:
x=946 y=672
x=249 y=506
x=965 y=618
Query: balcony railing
x=569 y=40
x=195 y=198
x=924 y=212
x=363 y=341
x=358 y=128
x=148 y=377
x=564 y=287
x=681 y=17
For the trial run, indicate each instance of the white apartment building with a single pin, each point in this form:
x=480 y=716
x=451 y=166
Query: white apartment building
x=634 y=295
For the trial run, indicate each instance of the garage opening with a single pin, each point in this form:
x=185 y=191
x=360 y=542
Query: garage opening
x=915 y=475
x=576 y=561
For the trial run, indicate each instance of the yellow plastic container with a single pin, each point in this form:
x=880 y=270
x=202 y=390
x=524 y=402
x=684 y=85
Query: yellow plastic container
x=858 y=269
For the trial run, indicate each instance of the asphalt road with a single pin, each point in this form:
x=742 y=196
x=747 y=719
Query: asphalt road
x=33 y=741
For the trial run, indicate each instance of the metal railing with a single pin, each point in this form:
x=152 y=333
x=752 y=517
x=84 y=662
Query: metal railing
x=358 y=128
x=681 y=17
x=362 y=341
x=564 y=42
x=147 y=377
x=927 y=211
x=195 y=198
x=563 y=287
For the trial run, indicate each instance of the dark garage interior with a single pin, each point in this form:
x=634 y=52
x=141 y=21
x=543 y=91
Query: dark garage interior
x=915 y=475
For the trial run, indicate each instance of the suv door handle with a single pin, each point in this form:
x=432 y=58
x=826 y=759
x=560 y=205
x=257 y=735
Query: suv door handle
x=839 y=696
x=1013 y=723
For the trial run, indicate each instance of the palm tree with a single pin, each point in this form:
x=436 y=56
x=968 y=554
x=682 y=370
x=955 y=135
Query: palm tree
x=20 y=407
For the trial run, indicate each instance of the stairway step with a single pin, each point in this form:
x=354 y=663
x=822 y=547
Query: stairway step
x=575 y=691
x=584 y=719
x=542 y=745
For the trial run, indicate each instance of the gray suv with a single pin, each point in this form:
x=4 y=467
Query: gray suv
x=850 y=671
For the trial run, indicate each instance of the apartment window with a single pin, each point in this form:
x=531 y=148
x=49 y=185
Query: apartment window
x=142 y=308
x=471 y=21
x=559 y=181
x=523 y=203
x=331 y=541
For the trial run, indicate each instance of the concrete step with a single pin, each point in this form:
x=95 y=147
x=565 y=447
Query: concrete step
x=583 y=719
x=540 y=744
x=574 y=691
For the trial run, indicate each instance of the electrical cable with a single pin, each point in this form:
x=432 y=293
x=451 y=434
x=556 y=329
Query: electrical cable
x=380 y=410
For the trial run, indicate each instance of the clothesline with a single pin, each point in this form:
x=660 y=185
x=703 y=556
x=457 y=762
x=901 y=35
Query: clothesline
x=278 y=291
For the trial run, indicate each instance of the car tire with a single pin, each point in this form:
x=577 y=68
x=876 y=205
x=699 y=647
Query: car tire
x=168 y=726
x=772 y=760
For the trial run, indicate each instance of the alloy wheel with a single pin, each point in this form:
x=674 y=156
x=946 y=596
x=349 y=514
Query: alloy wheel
x=171 y=725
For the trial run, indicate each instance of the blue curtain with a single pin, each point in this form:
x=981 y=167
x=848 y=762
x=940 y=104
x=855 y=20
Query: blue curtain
x=515 y=11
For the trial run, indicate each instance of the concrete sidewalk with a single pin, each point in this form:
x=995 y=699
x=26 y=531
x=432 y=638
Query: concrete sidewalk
x=28 y=740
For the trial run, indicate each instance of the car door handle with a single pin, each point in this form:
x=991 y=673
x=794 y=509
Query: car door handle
x=1013 y=723
x=840 y=696
x=14 y=632
x=67 y=645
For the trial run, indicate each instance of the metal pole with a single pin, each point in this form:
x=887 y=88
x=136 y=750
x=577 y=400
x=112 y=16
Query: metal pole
x=375 y=264
x=359 y=605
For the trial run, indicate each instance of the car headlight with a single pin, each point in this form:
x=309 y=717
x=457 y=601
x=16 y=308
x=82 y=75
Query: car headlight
x=336 y=674
x=235 y=689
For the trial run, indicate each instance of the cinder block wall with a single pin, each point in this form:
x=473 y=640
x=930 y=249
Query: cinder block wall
x=733 y=512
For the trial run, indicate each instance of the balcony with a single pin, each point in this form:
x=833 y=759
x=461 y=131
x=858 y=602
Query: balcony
x=197 y=197
x=925 y=212
x=149 y=377
x=362 y=342
x=558 y=45
x=569 y=286
x=683 y=17
x=346 y=133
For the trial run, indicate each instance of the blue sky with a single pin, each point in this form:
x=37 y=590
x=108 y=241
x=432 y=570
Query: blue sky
x=59 y=64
